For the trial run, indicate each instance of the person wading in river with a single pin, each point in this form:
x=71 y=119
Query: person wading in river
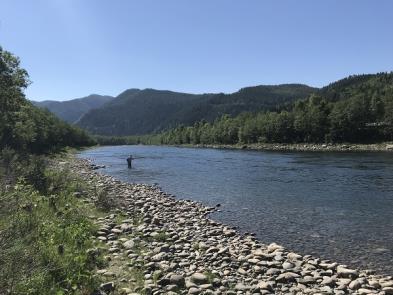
x=129 y=161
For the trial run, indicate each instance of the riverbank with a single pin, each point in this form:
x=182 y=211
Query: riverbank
x=157 y=244
x=302 y=147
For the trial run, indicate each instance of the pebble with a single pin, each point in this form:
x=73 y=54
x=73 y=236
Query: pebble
x=184 y=252
x=199 y=278
x=346 y=272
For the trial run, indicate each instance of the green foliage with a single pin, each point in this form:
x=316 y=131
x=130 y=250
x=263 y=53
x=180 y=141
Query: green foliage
x=210 y=276
x=24 y=127
x=44 y=237
x=103 y=200
x=128 y=140
x=44 y=233
x=161 y=237
x=33 y=172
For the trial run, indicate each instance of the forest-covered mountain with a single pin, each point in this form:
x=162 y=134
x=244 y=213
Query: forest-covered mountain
x=148 y=111
x=72 y=110
x=355 y=109
x=358 y=108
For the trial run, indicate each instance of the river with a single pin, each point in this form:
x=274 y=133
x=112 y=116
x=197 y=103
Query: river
x=336 y=206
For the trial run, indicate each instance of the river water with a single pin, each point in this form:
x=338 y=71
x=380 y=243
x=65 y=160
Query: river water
x=336 y=206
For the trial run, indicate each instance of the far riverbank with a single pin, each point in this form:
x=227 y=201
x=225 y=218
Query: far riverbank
x=285 y=147
x=301 y=147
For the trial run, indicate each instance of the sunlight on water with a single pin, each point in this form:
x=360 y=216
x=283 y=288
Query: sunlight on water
x=334 y=205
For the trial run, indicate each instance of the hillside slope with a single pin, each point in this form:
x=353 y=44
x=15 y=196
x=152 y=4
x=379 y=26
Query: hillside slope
x=357 y=109
x=71 y=110
x=147 y=111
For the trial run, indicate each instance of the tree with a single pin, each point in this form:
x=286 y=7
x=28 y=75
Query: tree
x=13 y=80
x=24 y=127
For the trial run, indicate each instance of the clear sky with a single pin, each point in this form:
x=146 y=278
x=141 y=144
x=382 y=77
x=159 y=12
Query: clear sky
x=72 y=48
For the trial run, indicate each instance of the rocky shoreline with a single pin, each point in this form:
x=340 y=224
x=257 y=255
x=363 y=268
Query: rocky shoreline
x=303 y=147
x=157 y=244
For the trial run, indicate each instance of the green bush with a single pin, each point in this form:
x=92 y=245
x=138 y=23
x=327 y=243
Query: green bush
x=45 y=241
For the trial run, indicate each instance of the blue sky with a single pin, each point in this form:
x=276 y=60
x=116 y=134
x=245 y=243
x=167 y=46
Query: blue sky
x=72 y=48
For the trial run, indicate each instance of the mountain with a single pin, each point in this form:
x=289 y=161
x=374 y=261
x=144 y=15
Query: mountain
x=147 y=111
x=357 y=109
x=367 y=85
x=71 y=110
x=137 y=112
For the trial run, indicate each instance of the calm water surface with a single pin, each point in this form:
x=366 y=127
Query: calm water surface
x=335 y=205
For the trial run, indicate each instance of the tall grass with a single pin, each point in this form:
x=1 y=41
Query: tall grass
x=45 y=236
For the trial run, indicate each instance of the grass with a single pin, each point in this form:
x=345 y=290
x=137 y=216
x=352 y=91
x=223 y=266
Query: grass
x=45 y=234
x=161 y=236
x=210 y=276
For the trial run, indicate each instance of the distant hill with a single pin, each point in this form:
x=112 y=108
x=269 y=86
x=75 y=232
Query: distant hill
x=147 y=111
x=71 y=110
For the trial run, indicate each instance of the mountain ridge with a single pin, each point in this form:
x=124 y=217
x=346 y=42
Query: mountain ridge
x=142 y=111
x=72 y=110
x=136 y=111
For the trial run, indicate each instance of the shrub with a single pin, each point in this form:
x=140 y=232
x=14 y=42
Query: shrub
x=45 y=242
